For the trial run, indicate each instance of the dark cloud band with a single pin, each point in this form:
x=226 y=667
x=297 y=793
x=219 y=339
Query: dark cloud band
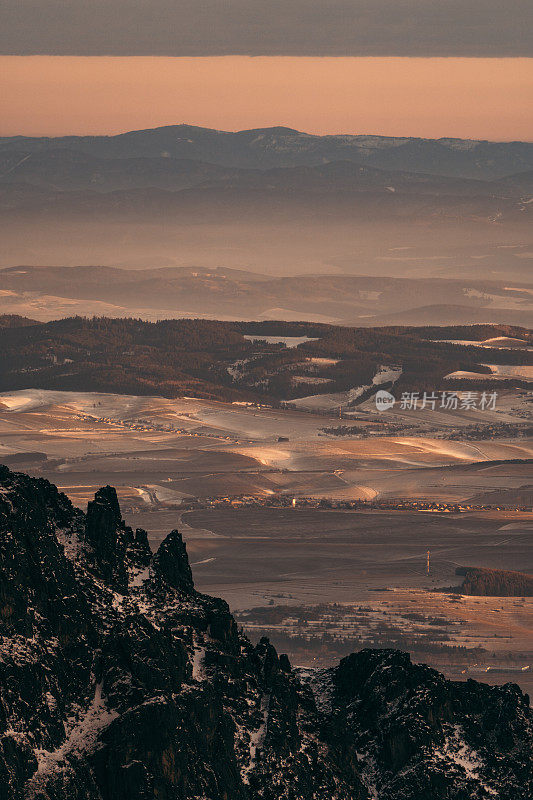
x=267 y=27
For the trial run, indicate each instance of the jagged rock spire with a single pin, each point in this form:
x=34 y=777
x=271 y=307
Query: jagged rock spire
x=109 y=537
x=172 y=563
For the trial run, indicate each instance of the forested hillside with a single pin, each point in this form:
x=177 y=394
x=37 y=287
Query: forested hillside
x=225 y=361
x=495 y=582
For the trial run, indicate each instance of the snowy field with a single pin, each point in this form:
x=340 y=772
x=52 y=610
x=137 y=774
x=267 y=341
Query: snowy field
x=496 y=343
x=500 y=372
x=159 y=451
x=288 y=341
x=331 y=401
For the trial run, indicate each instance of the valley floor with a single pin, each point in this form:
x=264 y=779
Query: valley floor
x=167 y=456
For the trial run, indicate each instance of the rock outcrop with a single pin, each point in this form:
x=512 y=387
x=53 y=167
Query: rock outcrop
x=118 y=681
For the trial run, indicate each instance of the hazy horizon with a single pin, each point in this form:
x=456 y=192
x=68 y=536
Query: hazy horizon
x=274 y=125
x=432 y=97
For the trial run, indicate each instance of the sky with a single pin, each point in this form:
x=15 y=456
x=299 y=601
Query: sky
x=465 y=98
x=429 y=68
x=267 y=27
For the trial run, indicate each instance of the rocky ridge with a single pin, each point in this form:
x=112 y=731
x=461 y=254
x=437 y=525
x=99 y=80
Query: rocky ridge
x=118 y=680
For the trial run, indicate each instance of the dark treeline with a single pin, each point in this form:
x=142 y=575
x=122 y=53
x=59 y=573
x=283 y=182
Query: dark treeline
x=212 y=359
x=15 y=321
x=128 y=356
x=495 y=582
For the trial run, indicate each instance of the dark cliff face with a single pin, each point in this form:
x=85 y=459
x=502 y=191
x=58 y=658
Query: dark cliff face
x=113 y=544
x=118 y=681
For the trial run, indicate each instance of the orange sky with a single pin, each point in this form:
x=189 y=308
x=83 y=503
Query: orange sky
x=432 y=97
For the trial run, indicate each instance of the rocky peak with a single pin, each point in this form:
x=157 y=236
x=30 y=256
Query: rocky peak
x=105 y=505
x=268 y=659
x=37 y=584
x=119 y=682
x=406 y=717
x=32 y=504
x=171 y=563
x=114 y=545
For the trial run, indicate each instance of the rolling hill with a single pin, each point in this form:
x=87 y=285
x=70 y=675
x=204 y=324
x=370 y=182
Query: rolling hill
x=41 y=292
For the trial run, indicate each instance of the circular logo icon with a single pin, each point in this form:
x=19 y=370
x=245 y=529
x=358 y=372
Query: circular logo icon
x=384 y=400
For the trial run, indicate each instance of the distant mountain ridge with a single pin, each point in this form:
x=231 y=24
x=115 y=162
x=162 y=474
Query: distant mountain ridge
x=266 y=148
x=62 y=169
x=273 y=200
x=193 y=174
x=237 y=294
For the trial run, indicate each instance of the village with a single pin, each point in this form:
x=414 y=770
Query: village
x=400 y=504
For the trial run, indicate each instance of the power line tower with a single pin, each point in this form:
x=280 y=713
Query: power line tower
x=428 y=564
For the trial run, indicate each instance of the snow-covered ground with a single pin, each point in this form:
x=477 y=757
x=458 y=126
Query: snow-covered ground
x=499 y=372
x=497 y=343
x=98 y=404
x=290 y=315
x=198 y=662
x=288 y=341
x=333 y=400
x=199 y=455
x=310 y=379
x=468 y=761
x=508 y=370
x=319 y=402
x=139 y=576
x=81 y=739
x=165 y=495
x=386 y=374
x=258 y=736
x=143 y=494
